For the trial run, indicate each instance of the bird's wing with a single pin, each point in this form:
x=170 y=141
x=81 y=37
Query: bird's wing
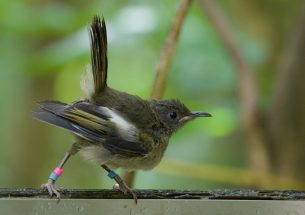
x=96 y=124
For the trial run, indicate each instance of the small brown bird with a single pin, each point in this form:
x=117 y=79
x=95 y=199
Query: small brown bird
x=112 y=128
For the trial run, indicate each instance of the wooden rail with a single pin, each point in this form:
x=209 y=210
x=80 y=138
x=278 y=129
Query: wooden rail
x=153 y=202
x=159 y=194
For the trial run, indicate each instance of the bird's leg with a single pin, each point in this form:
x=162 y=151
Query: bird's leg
x=121 y=185
x=50 y=185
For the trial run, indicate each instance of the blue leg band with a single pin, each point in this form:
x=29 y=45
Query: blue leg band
x=53 y=176
x=112 y=174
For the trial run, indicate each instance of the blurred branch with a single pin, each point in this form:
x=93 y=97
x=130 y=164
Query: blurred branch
x=167 y=52
x=164 y=62
x=231 y=175
x=129 y=178
x=247 y=87
x=287 y=111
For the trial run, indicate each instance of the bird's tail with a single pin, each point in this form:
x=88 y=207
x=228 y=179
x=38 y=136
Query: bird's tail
x=94 y=79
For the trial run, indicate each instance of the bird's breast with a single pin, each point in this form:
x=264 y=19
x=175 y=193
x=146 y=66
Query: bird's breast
x=146 y=162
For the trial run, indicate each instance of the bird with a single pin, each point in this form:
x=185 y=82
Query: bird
x=113 y=129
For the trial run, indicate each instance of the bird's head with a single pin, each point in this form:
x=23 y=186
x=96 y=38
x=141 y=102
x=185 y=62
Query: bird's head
x=174 y=114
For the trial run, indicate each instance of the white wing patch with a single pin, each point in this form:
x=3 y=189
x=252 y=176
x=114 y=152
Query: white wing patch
x=126 y=129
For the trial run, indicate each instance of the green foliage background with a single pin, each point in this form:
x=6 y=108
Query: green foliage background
x=45 y=48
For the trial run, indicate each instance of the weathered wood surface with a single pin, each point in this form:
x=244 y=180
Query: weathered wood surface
x=224 y=194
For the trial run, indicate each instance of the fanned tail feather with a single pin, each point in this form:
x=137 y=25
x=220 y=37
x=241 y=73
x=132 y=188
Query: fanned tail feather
x=94 y=80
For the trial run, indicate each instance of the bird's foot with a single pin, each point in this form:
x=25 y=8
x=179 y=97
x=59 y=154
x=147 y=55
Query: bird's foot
x=122 y=186
x=50 y=187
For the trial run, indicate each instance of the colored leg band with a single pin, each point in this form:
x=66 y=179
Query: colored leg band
x=112 y=174
x=58 y=171
x=55 y=174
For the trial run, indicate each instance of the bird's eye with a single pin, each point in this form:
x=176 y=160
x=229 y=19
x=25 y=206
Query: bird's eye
x=173 y=115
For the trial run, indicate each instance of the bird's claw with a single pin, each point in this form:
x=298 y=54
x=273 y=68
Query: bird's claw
x=122 y=186
x=50 y=187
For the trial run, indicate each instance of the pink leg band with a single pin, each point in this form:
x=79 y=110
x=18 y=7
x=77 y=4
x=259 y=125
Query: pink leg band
x=58 y=171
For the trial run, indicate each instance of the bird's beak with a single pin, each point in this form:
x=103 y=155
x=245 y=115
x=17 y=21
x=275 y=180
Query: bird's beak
x=193 y=115
x=200 y=114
